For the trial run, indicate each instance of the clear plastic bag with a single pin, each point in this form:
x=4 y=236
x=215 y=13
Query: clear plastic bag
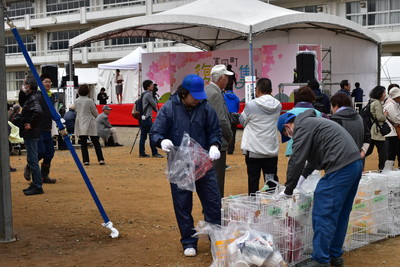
x=239 y=245
x=187 y=163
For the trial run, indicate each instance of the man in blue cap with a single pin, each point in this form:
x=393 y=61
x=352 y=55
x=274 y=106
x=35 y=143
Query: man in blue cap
x=187 y=111
x=325 y=146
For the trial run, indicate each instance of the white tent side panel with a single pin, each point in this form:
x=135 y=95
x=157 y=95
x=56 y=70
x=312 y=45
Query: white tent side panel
x=106 y=79
x=353 y=59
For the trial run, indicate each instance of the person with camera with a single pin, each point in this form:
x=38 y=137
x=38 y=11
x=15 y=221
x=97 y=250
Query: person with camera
x=102 y=96
x=149 y=103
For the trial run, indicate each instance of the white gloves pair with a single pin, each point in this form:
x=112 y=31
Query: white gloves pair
x=214 y=153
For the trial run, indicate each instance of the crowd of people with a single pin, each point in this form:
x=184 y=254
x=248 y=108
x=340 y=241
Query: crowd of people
x=321 y=133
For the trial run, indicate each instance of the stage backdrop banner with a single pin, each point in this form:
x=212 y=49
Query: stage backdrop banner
x=167 y=69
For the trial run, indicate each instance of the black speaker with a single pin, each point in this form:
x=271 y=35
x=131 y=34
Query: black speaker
x=66 y=78
x=52 y=71
x=305 y=64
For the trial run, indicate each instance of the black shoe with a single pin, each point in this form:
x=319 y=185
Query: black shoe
x=158 y=156
x=48 y=180
x=27 y=173
x=144 y=156
x=28 y=188
x=33 y=191
x=337 y=262
x=116 y=144
x=12 y=169
x=311 y=263
x=230 y=153
x=227 y=167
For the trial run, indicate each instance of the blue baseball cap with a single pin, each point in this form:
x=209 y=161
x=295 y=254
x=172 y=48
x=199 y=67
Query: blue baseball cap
x=195 y=85
x=283 y=119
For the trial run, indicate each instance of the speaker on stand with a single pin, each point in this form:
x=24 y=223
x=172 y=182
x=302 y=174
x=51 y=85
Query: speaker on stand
x=305 y=65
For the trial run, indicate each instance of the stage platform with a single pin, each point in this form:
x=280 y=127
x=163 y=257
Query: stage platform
x=121 y=115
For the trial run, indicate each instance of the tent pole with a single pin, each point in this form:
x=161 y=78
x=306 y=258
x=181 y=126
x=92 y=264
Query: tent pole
x=251 y=60
x=379 y=63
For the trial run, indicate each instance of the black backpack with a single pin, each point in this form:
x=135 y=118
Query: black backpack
x=138 y=111
x=319 y=103
x=368 y=120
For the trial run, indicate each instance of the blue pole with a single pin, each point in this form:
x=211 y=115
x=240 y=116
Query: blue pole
x=57 y=119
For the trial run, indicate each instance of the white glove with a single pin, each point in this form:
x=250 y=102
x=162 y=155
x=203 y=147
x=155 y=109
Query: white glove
x=166 y=145
x=301 y=181
x=214 y=153
x=283 y=195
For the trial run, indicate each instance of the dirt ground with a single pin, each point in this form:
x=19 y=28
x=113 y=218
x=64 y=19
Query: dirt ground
x=62 y=227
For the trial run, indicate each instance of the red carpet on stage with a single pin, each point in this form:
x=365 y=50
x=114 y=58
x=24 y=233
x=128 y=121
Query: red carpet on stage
x=121 y=115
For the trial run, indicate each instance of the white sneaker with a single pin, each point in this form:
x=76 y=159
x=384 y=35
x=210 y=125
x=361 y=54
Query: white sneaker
x=189 y=252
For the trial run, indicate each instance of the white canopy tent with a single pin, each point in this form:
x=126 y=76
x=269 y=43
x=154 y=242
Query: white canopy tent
x=234 y=24
x=129 y=66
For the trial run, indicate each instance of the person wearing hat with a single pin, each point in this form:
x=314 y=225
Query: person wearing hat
x=219 y=79
x=393 y=118
x=328 y=147
x=104 y=128
x=188 y=111
x=70 y=117
x=260 y=143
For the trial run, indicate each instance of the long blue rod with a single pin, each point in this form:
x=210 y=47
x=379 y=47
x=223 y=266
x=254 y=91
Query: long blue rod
x=57 y=119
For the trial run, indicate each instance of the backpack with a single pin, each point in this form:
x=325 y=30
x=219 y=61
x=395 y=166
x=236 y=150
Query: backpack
x=138 y=111
x=368 y=120
x=319 y=103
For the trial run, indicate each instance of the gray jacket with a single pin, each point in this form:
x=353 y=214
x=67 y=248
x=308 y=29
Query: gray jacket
x=321 y=142
x=86 y=114
x=217 y=102
x=103 y=126
x=150 y=102
x=352 y=122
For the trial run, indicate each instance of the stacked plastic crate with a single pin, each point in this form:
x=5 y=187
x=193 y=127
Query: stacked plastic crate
x=393 y=185
x=369 y=220
x=289 y=221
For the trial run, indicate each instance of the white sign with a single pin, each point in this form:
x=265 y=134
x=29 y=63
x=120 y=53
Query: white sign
x=69 y=94
x=250 y=86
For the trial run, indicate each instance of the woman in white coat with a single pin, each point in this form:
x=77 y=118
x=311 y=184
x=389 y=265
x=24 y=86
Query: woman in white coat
x=85 y=124
x=393 y=109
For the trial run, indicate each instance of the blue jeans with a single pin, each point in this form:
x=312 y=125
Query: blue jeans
x=207 y=190
x=145 y=127
x=333 y=201
x=31 y=145
x=45 y=147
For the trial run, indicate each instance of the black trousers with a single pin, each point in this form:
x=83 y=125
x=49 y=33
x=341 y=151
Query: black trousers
x=84 y=148
x=268 y=166
x=382 y=152
x=393 y=148
x=231 y=146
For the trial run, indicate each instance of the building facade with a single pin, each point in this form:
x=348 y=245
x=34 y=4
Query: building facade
x=46 y=26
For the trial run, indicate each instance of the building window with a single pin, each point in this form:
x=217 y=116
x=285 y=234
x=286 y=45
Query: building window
x=20 y=8
x=307 y=9
x=128 y=40
x=65 y=6
x=15 y=80
x=117 y=3
x=376 y=12
x=59 y=40
x=12 y=45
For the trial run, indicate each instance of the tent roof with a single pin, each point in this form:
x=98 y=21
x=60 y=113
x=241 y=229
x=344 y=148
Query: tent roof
x=207 y=24
x=128 y=62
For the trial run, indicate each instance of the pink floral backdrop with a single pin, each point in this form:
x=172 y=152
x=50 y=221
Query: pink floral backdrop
x=167 y=69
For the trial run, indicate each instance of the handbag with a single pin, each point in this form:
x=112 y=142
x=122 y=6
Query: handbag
x=396 y=127
x=384 y=128
x=234 y=118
